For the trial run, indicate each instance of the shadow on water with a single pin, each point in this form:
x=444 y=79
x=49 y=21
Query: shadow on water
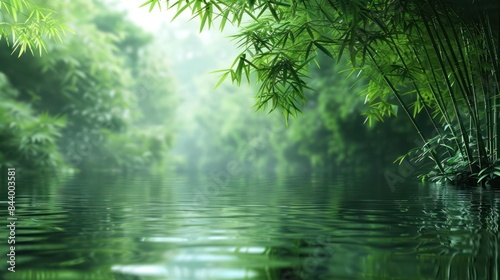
x=299 y=227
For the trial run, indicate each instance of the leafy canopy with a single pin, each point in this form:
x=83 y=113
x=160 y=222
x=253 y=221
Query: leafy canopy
x=283 y=37
x=431 y=57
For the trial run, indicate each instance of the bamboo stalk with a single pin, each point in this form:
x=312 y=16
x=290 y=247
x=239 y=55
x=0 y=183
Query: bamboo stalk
x=494 y=55
x=405 y=65
x=469 y=89
x=454 y=102
x=438 y=96
x=466 y=94
x=408 y=113
x=395 y=47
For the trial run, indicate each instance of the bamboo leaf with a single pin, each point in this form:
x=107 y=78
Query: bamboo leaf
x=323 y=49
x=221 y=80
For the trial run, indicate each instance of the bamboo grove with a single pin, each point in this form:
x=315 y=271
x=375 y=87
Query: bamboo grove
x=434 y=61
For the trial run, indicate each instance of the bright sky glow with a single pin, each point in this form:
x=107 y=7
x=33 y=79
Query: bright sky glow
x=154 y=20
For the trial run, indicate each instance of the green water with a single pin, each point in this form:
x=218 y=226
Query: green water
x=298 y=227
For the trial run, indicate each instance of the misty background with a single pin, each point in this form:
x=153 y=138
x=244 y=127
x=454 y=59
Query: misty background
x=130 y=90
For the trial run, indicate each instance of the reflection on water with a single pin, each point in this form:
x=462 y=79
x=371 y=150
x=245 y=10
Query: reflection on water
x=102 y=227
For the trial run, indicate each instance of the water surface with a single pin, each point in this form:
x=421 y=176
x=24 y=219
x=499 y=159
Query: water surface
x=252 y=227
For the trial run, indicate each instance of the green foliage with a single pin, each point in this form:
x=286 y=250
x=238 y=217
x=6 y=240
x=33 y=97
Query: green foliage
x=27 y=25
x=331 y=134
x=136 y=149
x=93 y=79
x=91 y=87
x=424 y=57
x=27 y=140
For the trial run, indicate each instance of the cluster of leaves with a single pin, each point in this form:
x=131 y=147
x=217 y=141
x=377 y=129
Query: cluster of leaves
x=27 y=140
x=27 y=24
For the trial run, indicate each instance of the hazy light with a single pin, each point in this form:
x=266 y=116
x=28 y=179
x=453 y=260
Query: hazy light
x=179 y=272
x=155 y=20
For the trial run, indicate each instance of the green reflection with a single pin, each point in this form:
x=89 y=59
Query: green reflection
x=133 y=227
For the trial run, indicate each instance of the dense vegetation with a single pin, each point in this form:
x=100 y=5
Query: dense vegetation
x=426 y=66
x=89 y=101
x=432 y=58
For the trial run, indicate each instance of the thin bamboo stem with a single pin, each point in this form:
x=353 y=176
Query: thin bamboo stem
x=406 y=110
x=454 y=102
x=438 y=96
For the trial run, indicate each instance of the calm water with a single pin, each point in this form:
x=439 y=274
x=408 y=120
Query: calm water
x=105 y=227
